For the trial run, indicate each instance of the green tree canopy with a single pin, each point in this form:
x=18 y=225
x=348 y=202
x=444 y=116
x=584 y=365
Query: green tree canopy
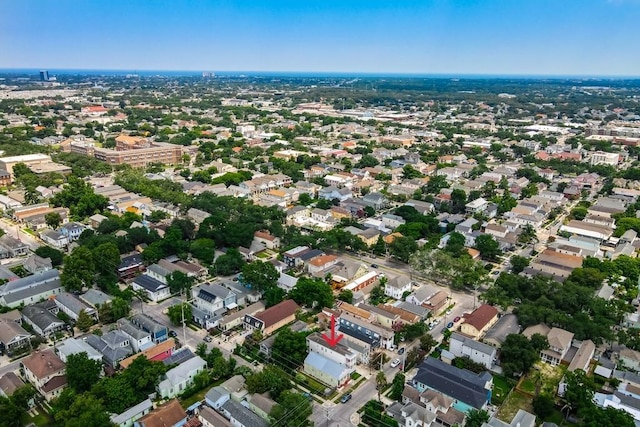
x=261 y=276
x=82 y=372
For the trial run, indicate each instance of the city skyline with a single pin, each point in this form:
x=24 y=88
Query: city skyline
x=497 y=37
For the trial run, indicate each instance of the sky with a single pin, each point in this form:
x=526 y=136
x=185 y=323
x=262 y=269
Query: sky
x=503 y=37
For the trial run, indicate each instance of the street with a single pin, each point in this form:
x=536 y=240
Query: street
x=14 y=230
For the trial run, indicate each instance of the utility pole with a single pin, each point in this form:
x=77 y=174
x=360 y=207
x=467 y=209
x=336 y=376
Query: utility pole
x=184 y=330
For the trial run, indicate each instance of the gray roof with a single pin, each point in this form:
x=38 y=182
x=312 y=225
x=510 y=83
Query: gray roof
x=32 y=291
x=245 y=416
x=159 y=270
x=473 y=344
x=73 y=303
x=41 y=317
x=149 y=283
x=131 y=330
x=74 y=346
x=215 y=393
x=182 y=371
x=29 y=281
x=415 y=309
x=506 y=325
x=524 y=419
x=147 y=323
x=459 y=384
x=110 y=355
x=145 y=405
x=95 y=297
x=209 y=292
x=179 y=356
x=325 y=365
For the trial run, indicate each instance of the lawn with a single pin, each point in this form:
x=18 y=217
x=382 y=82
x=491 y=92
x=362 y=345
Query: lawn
x=501 y=388
x=547 y=377
x=42 y=419
x=310 y=384
x=515 y=401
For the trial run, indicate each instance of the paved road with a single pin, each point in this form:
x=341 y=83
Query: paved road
x=14 y=230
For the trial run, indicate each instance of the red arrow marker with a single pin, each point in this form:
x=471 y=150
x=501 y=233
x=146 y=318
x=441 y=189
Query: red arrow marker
x=333 y=340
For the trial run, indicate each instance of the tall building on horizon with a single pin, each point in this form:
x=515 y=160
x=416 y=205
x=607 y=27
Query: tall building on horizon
x=44 y=76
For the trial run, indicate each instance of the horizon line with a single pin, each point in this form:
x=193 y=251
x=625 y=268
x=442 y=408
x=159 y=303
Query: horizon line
x=285 y=73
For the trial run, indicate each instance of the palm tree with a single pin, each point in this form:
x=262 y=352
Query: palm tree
x=381 y=383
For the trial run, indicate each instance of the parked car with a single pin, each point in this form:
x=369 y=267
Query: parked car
x=395 y=362
x=401 y=351
x=208 y=338
x=345 y=398
x=173 y=334
x=456 y=319
x=374 y=265
x=449 y=325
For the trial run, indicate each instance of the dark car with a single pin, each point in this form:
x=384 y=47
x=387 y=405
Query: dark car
x=456 y=319
x=345 y=398
x=374 y=265
x=173 y=334
x=401 y=351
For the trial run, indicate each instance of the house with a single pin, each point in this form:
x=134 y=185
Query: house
x=76 y=346
x=140 y=340
x=240 y=416
x=356 y=329
x=179 y=378
x=54 y=238
x=584 y=355
x=478 y=352
x=72 y=306
x=521 y=419
x=154 y=289
x=130 y=415
x=95 y=298
x=267 y=344
x=159 y=332
x=334 y=193
x=197 y=216
x=41 y=320
x=35 y=264
x=130 y=266
x=339 y=353
x=261 y=405
x=30 y=289
x=506 y=325
x=169 y=414
x=267 y=239
x=479 y=321
x=9 y=383
x=12 y=247
x=160 y=353
x=272 y=318
x=211 y=302
x=210 y=418
x=375 y=200
x=46 y=371
x=629 y=403
x=559 y=342
x=630 y=359
x=13 y=337
x=235 y=319
x=469 y=390
x=321 y=263
x=95 y=220
x=326 y=370
x=72 y=230
x=397 y=286
x=219 y=395
x=114 y=347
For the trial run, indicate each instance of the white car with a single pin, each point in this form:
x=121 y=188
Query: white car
x=395 y=362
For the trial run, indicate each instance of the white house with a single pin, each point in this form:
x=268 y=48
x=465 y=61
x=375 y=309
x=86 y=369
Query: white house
x=179 y=378
x=478 y=352
x=140 y=340
x=396 y=287
x=155 y=289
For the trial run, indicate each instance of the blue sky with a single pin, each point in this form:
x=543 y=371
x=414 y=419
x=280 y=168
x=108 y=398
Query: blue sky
x=531 y=37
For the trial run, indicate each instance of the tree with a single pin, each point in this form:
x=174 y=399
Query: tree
x=260 y=275
x=84 y=322
x=10 y=414
x=227 y=264
x=397 y=386
x=157 y=216
x=518 y=264
x=305 y=199
x=312 y=293
x=488 y=247
x=402 y=248
x=543 y=405
x=476 y=417
x=292 y=410
x=606 y=417
x=179 y=312
x=106 y=261
x=381 y=383
x=54 y=255
x=346 y=295
x=289 y=349
x=273 y=296
x=377 y=295
x=79 y=269
x=579 y=390
x=82 y=372
x=455 y=245
x=427 y=342
x=179 y=282
x=86 y=410
x=518 y=354
x=271 y=379
x=114 y=310
x=53 y=220
x=203 y=249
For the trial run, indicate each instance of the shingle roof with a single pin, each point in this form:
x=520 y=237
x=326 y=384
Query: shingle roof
x=166 y=415
x=459 y=384
x=40 y=317
x=149 y=283
x=278 y=312
x=243 y=415
x=481 y=316
x=43 y=363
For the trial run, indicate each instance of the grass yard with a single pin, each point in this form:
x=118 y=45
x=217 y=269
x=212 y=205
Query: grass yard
x=544 y=376
x=515 y=401
x=310 y=384
x=501 y=388
x=42 y=419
